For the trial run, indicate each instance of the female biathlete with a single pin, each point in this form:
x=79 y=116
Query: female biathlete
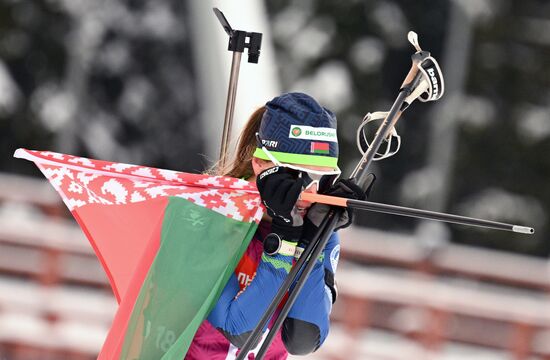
x=288 y=146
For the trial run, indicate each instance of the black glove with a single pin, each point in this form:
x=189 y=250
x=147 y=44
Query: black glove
x=345 y=188
x=279 y=190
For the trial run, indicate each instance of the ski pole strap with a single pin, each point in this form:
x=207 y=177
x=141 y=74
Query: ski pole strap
x=362 y=137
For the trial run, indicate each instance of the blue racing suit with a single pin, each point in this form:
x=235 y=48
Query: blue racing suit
x=249 y=292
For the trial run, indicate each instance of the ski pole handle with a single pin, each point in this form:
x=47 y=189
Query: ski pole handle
x=416 y=58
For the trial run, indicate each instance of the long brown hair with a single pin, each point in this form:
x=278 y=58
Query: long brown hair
x=241 y=165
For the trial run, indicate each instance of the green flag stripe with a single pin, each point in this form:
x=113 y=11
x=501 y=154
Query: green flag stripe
x=198 y=252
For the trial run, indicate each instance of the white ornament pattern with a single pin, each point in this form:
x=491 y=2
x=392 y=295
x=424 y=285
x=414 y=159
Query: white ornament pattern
x=82 y=181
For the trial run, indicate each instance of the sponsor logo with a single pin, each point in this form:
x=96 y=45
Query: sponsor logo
x=296 y=131
x=270 y=143
x=435 y=83
x=269 y=172
x=312 y=133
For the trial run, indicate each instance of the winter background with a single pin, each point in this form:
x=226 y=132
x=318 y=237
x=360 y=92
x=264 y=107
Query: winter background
x=145 y=82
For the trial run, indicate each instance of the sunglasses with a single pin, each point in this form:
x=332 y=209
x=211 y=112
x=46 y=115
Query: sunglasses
x=320 y=182
x=321 y=179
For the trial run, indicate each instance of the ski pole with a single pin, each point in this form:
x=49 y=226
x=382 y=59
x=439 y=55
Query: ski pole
x=416 y=83
x=424 y=77
x=289 y=280
x=416 y=213
x=319 y=244
x=316 y=247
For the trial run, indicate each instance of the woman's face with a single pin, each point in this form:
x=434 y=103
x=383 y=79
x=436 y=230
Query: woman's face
x=260 y=165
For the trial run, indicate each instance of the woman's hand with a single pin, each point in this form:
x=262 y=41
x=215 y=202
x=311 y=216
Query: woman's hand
x=279 y=190
x=345 y=188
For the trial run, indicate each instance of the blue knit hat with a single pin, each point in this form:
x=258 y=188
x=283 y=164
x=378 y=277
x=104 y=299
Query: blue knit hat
x=295 y=129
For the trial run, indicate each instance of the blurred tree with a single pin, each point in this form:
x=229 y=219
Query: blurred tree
x=353 y=57
x=29 y=56
x=109 y=80
x=114 y=80
x=503 y=162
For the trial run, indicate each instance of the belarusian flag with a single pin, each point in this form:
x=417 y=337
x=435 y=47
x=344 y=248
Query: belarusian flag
x=320 y=148
x=167 y=240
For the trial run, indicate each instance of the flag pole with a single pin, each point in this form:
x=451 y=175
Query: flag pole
x=237 y=44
